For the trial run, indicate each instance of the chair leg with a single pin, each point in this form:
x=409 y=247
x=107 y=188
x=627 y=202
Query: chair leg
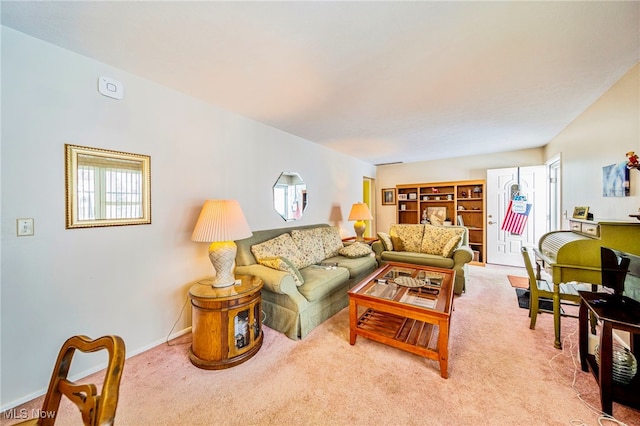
x=533 y=310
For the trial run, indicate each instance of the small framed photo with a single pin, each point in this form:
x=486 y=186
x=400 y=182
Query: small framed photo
x=402 y=197
x=580 y=212
x=413 y=196
x=388 y=196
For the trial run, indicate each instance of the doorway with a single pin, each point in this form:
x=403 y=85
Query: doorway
x=503 y=247
x=369 y=198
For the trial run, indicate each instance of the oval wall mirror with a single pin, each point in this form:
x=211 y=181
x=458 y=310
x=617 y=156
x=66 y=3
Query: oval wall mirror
x=290 y=196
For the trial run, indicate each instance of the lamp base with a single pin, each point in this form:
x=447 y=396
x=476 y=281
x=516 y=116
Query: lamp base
x=359 y=226
x=223 y=258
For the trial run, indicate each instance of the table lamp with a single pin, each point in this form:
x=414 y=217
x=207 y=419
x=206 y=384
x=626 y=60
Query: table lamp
x=360 y=212
x=220 y=223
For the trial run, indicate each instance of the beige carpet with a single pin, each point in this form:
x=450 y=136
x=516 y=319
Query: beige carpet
x=500 y=373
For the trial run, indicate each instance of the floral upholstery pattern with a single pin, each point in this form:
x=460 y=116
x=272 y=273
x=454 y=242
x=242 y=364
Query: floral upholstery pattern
x=356 y=249
x=450 y=246
x=386 y=240
x=309 y=242
x=407 y=237
x=283 y=264
x=280 y=246
x=436 y=238
x=331 y=240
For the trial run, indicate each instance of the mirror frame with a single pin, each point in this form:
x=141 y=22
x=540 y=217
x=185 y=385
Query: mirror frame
x=305 y=200
x=71 y=187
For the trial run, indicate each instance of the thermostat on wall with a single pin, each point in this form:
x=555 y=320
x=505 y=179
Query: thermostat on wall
x=110 y=87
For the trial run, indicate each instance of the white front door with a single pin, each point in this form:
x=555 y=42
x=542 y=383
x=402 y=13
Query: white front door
x=504 y=247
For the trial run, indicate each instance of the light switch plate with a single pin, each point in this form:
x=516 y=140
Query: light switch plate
x=25 y=227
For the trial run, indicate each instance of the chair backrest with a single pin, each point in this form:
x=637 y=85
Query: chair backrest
x=533 y=283
x=96 y=409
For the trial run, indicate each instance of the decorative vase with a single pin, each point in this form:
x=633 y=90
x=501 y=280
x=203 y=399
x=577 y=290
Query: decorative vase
x=625 y=365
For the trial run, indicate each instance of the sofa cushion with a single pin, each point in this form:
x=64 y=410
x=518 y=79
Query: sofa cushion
x=386 y=240
x=406 y=237
x=309 y=242
x=319 y=282
x=436 y=237
x=331 y=240
x=283 y=264
x=418 y=259
x=357 y=266
x=282 y=245
x=356 y=249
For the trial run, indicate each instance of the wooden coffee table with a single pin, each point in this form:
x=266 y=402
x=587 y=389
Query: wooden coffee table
x=414 y=316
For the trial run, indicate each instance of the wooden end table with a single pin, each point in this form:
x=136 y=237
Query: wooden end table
x=614 y=313
x=226 y=323
x=404 y=317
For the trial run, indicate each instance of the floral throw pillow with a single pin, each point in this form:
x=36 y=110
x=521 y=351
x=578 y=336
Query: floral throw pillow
x=437 y=237
x=386 y=241
x=283 y=264
x=409 y=237
x=450 y=246
x=356 y=249
x=282 y=245
x=309 y=242
x=331 y=241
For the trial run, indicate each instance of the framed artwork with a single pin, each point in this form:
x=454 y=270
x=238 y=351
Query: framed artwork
x=580 y=212
x=402 y=197
x=437 y=215
x=615 y=180
x=388 y=196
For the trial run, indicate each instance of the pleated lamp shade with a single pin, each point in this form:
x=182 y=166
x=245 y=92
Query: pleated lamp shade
x=220 y=223
x=221 y=220
x=360 y=212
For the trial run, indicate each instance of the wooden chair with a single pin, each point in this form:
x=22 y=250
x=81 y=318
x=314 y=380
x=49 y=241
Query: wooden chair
x=96 y=409
x=539 y=288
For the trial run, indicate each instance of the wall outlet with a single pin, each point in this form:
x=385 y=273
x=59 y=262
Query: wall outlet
x=25 y=227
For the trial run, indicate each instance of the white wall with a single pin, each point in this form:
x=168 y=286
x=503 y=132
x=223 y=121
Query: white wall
x=598 y=137
x=132 y=280
x=601 y=136
x=452 y=169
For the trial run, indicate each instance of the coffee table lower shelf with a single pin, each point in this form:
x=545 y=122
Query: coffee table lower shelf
x=410 y=335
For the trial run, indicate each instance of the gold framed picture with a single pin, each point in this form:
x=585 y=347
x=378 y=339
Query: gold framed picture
x=580 y=212
x=388 y=196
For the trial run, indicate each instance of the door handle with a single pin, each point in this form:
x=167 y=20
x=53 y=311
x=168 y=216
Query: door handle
x=491 y=222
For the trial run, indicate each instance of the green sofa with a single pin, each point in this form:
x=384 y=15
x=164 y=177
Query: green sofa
x=292 y=308
x=424 y=245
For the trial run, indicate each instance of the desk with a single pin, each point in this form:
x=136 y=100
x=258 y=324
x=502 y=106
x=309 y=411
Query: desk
x=614 y=315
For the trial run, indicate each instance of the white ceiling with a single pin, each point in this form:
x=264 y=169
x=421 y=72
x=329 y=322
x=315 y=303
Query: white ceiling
x=381 y=81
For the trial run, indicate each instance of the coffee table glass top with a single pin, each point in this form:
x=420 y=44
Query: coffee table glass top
x=417 y=287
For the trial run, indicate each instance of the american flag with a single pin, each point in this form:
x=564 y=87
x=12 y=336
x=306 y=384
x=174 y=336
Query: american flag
x=515 y=222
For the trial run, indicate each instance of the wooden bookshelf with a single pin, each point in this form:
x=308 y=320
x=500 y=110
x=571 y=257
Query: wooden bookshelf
x=463 y=200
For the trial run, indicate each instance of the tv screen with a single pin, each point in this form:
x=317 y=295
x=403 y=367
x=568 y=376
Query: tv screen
x=621 y=272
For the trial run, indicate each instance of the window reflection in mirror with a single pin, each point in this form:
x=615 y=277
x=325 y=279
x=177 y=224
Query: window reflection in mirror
x=106 y=188
x=290 y=196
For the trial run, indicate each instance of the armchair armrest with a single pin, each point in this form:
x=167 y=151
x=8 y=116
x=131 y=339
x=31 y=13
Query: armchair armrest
x=275 y=281
x=462 y=255
x=377 y=248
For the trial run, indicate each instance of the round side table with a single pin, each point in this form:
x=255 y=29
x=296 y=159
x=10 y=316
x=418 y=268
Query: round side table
x=226 y=323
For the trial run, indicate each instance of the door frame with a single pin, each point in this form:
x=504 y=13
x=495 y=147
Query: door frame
x=504 y=248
